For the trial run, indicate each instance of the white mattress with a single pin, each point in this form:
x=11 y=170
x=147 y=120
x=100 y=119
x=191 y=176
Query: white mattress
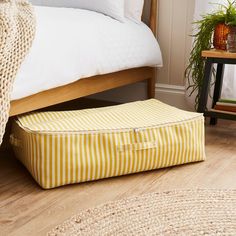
x=71 y=44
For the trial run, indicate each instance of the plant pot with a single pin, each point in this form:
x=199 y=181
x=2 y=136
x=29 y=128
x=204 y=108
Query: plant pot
x=220 y=36
x=231 y=40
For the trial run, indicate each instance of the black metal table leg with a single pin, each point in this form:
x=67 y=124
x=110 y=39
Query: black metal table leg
x=205 y=87
x=217 y=89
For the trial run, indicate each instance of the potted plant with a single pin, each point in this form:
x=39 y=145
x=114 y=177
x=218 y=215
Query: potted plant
x=217 y=24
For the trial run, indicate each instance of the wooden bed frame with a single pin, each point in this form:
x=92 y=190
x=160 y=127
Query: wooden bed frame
x=92 y=85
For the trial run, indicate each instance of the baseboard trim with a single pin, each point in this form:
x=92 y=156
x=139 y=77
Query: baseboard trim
x=173 y=95
x=167 y=88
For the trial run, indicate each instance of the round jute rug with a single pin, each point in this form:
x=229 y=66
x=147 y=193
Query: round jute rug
x=183 y=212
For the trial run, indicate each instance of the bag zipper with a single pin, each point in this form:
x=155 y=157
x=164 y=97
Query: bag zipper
x=135 y=130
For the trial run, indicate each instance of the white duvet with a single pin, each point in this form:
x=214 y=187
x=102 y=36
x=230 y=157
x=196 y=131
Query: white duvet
x=71 y=44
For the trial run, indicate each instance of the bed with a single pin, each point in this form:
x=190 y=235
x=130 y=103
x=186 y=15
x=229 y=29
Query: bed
x=122 y=54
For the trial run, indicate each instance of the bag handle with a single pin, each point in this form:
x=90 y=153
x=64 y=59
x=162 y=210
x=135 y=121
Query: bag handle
x=137 y=146
x=14 y=141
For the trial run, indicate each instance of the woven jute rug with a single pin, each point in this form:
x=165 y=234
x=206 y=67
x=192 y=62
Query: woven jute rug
x=192 y=212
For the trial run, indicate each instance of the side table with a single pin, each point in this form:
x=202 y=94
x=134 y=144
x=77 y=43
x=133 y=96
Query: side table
x=220 y=58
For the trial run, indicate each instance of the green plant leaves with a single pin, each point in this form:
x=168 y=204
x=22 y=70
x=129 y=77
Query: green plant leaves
x=194 y=72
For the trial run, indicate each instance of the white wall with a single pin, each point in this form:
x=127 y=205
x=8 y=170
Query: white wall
x=174 y=28
x=175 y=18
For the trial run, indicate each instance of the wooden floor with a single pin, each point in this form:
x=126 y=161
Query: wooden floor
x=25 y=209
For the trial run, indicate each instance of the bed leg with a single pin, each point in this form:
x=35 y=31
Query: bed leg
x=151 y=85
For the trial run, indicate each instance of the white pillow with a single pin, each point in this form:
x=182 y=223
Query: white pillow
x=134 y=10
x=112 y=8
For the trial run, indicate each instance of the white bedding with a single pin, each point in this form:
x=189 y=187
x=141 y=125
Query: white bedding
x=71 y=44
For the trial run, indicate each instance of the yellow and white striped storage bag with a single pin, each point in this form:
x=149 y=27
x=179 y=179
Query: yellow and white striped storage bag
x=68 y=147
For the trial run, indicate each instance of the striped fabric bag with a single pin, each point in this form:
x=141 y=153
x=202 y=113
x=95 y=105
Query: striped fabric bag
x=67 y=147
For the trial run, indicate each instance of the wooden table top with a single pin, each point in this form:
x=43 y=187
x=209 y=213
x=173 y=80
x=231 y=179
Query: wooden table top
x=218 y=54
